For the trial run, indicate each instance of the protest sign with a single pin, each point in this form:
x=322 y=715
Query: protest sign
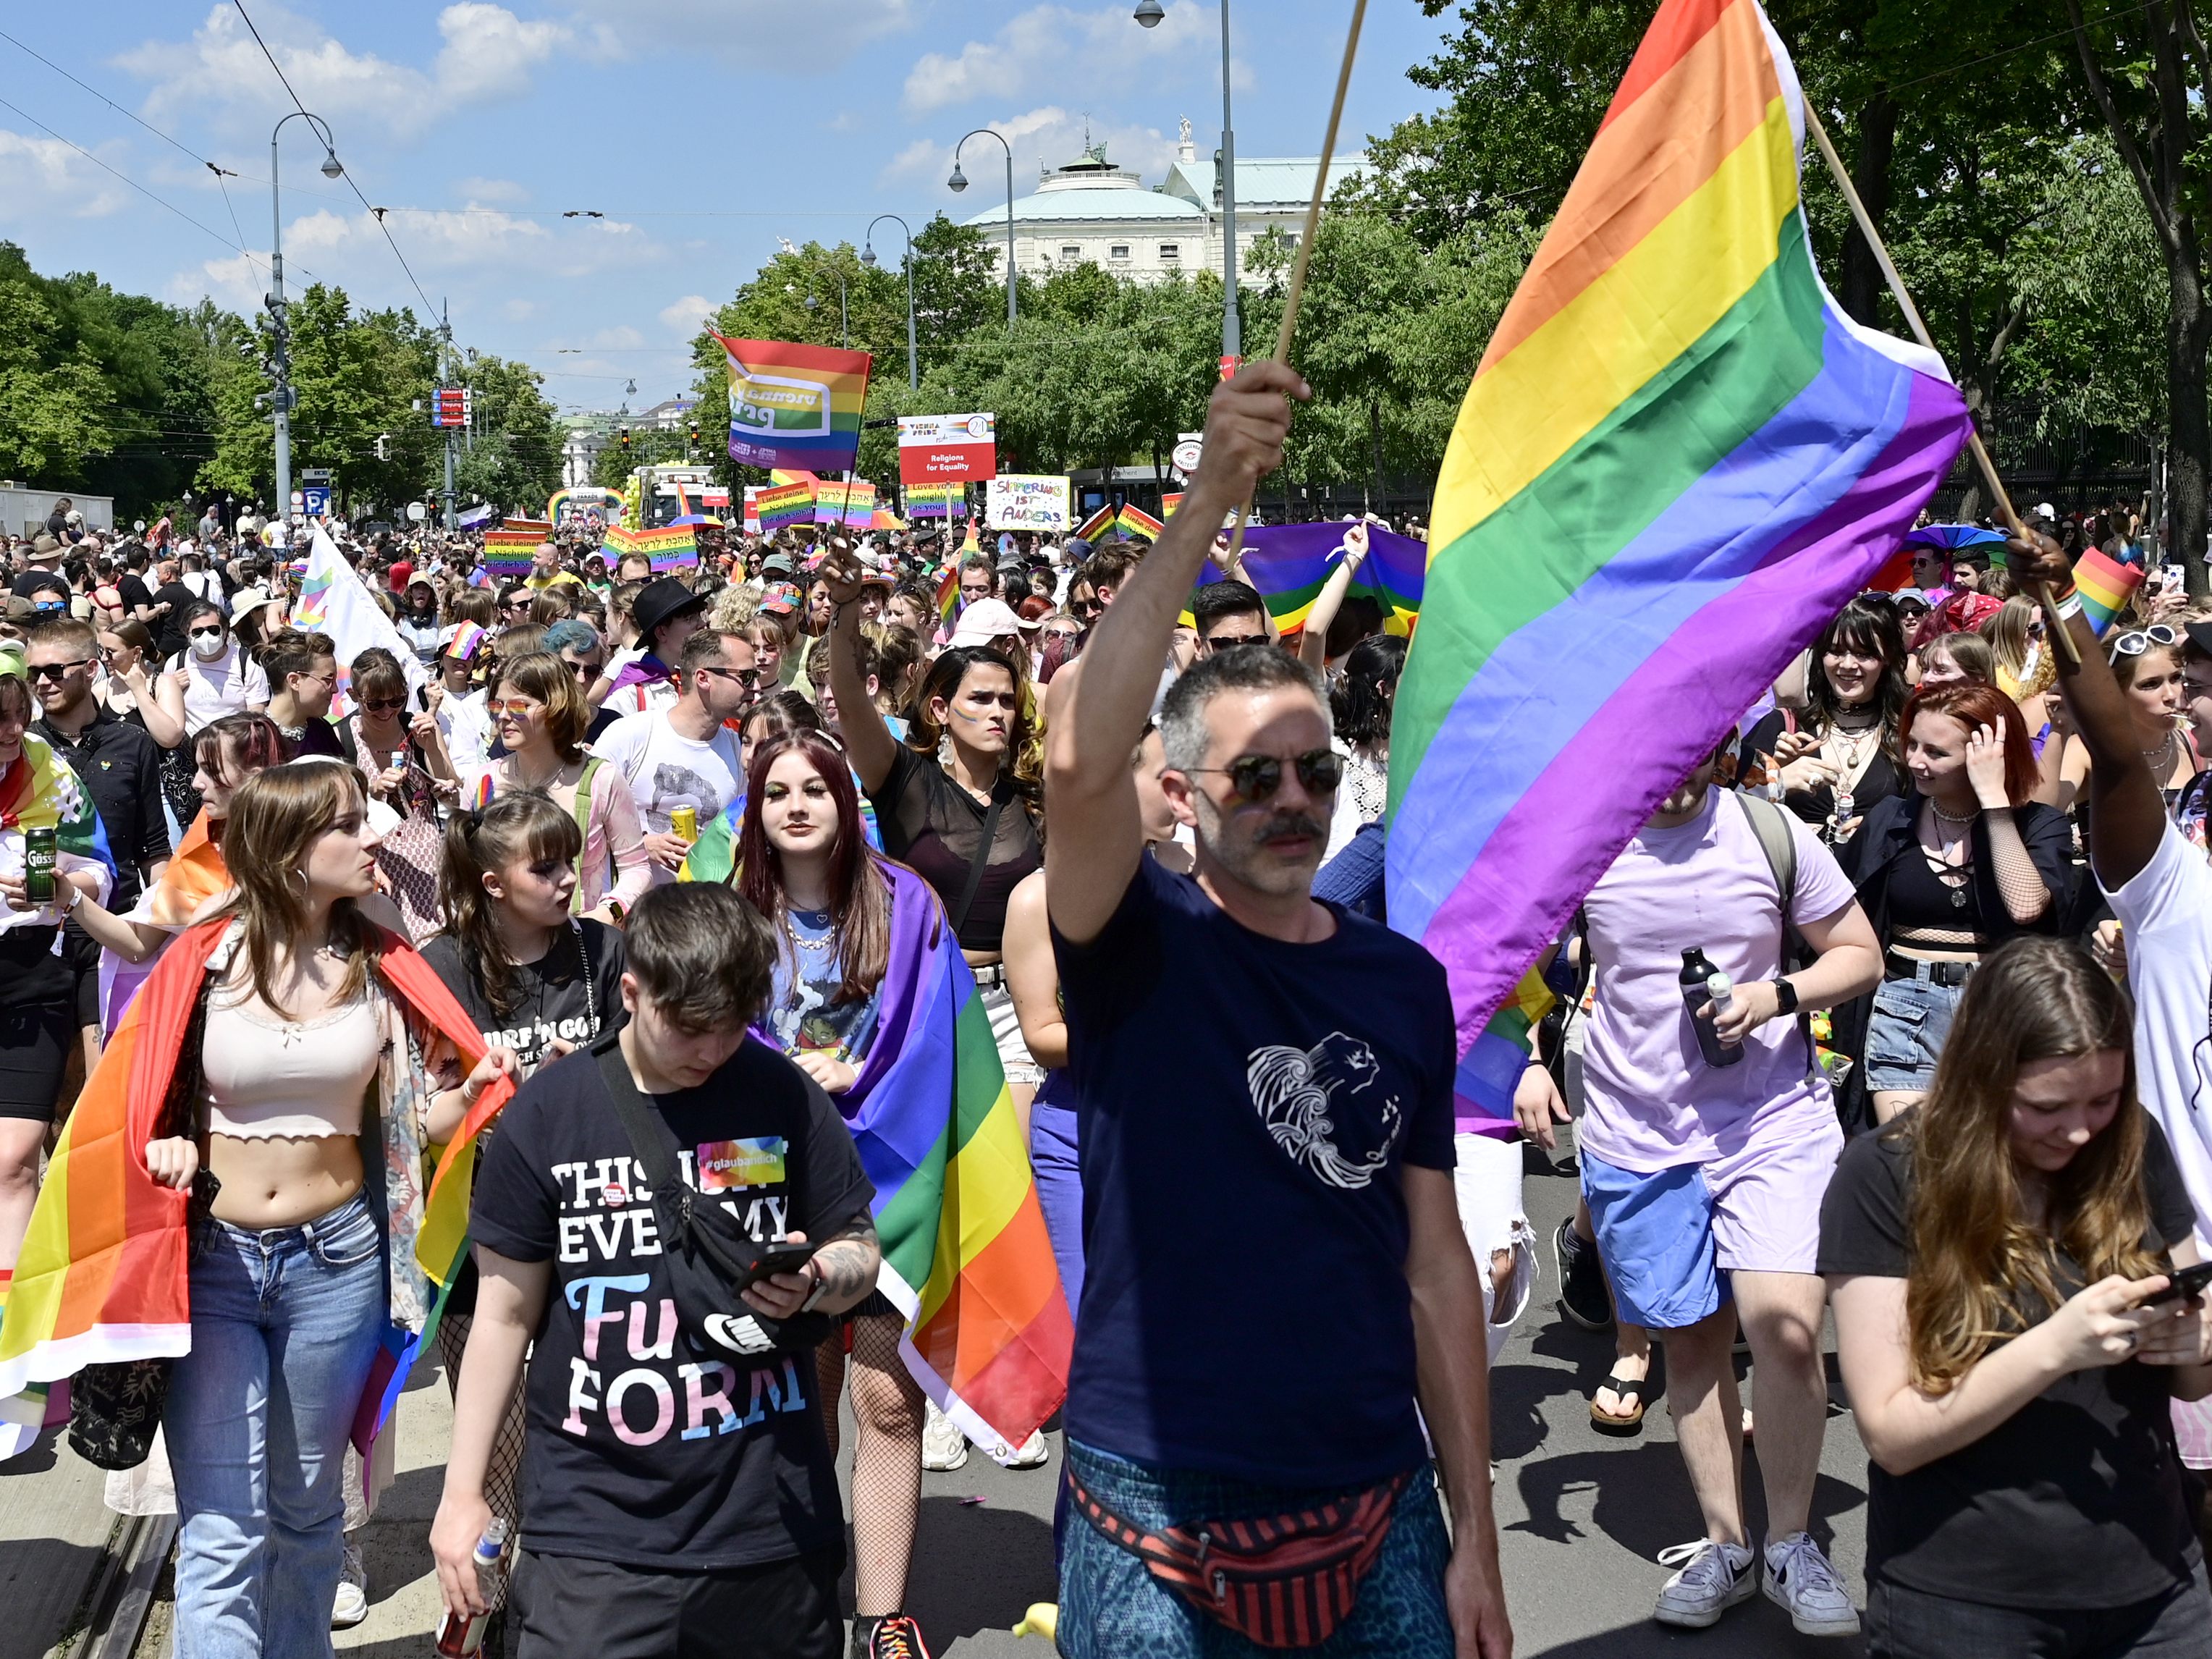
x=1020 y=501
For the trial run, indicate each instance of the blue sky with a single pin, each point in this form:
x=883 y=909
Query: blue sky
x=702 y=129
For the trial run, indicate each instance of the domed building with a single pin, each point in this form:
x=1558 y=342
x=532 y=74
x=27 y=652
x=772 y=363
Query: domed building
x=1089 y=209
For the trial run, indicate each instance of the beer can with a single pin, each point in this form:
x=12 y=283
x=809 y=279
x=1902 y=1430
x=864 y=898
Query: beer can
x=684 y=822
x=40 y=858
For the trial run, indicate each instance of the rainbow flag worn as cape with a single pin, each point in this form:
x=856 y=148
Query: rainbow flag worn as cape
x=39 y=790
x=966 y=1257
x=795 y=407
x=1289 y=564
x=1678 y=460
x=102 y=1274
x=194 y=874
x=2105 y=586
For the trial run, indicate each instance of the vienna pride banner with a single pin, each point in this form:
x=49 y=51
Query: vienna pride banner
x=795 y=406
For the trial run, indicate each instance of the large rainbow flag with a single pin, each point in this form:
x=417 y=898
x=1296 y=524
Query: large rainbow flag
x=1678 y=460
x=1289 y=563
x=795 y=407
x=966 y=1257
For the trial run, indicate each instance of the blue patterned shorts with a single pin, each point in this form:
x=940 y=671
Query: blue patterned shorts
x=1112 y=1608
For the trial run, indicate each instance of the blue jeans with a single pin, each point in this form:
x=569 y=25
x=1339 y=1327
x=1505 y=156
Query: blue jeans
x=1060 y=1190
x=1112 y=1608
x=285 y=1325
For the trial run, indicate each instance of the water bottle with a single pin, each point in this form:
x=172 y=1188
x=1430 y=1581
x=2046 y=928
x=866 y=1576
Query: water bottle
x=1702 y=984
x=460 y=1635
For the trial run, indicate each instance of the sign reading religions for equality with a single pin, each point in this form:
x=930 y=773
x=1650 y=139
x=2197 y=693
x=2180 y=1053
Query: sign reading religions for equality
x=945 y=448
x=1018 y=500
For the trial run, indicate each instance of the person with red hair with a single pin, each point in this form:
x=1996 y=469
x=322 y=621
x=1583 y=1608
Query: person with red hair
x=1948 y=871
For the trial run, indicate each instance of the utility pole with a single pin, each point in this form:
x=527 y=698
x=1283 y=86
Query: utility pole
x=282 y=397
x=445 y=373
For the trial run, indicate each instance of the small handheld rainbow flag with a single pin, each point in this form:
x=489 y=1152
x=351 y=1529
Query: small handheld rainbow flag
x=948 y=589
x=2106 y=586
x=508 y=552
x=1097 y=524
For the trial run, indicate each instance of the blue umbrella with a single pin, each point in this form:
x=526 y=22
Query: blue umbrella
x=1952 y=536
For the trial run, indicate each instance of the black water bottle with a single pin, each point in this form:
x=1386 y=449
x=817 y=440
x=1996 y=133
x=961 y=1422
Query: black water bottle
x=1697 y=968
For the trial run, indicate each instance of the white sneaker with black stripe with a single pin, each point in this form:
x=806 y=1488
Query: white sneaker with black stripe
x=1800 y=1580
x=1712 y=1578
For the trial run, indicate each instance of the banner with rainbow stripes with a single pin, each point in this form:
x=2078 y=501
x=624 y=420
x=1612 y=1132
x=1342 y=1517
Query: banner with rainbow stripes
x=1677 y=460
x=673 y=547
x=1097 y=524
x=1135 y=521
x=508 y=552
x=836 y=501
x=936 y=501
x=795 y=406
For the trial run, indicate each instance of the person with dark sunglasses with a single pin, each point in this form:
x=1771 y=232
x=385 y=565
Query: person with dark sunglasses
x=401 y=752
x=1196 y=1008
x=686 y=754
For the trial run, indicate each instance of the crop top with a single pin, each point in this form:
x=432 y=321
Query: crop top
x=268 y=1078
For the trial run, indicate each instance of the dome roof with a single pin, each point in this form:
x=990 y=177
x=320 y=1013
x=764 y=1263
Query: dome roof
x=1090 y=188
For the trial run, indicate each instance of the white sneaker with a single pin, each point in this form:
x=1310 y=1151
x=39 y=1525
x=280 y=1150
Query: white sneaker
x=1799 y=1579
x=943 y=1446
x=1035 y=1452
x=350 y=1606
x=1713 y=1577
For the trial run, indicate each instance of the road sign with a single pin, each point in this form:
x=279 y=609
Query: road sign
x=315 y=475
x=450 y=407
x=1187 y=450
x=315 y=501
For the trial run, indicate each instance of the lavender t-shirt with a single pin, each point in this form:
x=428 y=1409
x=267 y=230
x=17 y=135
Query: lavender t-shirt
x=1653 y=1101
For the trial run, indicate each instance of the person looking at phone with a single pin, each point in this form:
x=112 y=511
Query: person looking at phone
x=673 y=1500
x=1995 y=1258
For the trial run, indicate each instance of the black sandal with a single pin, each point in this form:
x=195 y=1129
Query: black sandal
x=1630 y=1391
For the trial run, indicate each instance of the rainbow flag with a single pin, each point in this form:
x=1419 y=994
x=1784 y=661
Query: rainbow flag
x=936 y=501
x=1135 y=521
x=1679 y=458
x=1097 y=524
x=194 y=874
x=948 y=589
x=965 y=1255
x=508 y=552
x=1169 y=502
x=468 y=636
x=791 y=475
x=1288 y=563
x=675 y=547
x=786 y=504
x=795 y=406
x=2106 y=586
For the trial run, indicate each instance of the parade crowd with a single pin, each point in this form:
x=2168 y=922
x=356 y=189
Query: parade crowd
x=1894 y=1010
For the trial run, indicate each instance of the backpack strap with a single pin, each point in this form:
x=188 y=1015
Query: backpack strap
x=591 y=764
x=1770 y=827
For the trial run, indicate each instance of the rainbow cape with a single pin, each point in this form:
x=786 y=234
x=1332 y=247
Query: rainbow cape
x=966 y=1258
x=795 y=407
x=102 y=1274
x=2106 y=586
x=1289 y=564
x=194 y=874
x=39 y=791
x=1678 y=460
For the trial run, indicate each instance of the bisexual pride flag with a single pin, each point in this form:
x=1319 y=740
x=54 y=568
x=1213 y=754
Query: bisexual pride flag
x=1679 y=458
x=795 y=406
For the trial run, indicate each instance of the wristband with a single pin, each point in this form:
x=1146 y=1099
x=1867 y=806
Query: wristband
x=2067 y=607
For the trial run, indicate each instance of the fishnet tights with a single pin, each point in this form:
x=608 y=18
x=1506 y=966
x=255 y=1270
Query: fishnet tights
x=886 y=1461
x=503 y=1473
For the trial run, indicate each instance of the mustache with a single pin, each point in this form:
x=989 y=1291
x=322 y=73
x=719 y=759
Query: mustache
x=1291 y=826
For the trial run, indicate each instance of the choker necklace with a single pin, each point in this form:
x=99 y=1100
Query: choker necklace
x=1949 y=819
x=1869 y=718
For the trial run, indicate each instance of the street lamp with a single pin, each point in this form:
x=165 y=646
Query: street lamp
x=282 y=397
x=959 y=182
x=1149 y=14
x=844 y=325
x=868 y=259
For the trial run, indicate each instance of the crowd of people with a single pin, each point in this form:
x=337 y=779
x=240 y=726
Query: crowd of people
x=1893 y=1009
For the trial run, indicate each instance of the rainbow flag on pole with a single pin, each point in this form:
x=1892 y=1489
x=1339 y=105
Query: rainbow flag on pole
x=1678 y=460
x=795 y=407
x=2106 y=586
x=1288 y=563
x=1097 y=524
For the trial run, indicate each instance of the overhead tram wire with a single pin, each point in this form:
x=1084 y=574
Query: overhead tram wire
x=429 y=309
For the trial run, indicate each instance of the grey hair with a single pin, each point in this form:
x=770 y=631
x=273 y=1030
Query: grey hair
x=1245 y=668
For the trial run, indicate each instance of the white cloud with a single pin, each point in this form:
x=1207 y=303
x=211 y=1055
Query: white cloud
x=41 y=177
x=476 y=189
x=685 y=317
x=1040 y=138
x=237 y=282
x=488 y=53
x=816 y=36
x=518 y=311
x=1032 y=52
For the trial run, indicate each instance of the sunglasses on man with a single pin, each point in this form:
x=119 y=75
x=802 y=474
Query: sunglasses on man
x=1256 y=778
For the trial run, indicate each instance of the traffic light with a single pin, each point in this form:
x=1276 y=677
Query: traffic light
x=625 y=437
x=695 y=432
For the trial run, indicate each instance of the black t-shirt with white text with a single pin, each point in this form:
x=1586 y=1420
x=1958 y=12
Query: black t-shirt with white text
x=2075 y=1501
x=638 y=1453
x=549 y=999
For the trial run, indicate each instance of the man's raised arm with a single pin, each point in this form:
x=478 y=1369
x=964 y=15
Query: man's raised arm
x=1095 y=837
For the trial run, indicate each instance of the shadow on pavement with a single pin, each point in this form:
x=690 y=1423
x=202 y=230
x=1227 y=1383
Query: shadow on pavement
x=988 y=1563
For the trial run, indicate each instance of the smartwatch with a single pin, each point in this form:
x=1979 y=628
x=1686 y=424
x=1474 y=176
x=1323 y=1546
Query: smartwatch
x=821 y=1288
x=1785 y=997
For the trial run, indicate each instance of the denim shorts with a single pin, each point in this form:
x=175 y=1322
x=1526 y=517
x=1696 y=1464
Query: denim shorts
x=1112 y=1608
x=1911 y=1021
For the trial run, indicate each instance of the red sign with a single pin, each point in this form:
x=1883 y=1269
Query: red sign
x=947 y=449
x=452 y=406
x=1229 y=365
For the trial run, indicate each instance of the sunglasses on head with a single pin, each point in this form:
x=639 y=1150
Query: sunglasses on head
x=1257 y=777
x=2137 y=641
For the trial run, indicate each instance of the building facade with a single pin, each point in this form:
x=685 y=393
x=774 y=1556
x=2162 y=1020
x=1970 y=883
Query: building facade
x=1090 y=210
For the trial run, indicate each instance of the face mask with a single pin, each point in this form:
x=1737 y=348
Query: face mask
x=208 y=647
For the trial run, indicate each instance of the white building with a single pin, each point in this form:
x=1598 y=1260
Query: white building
x=1091 y=211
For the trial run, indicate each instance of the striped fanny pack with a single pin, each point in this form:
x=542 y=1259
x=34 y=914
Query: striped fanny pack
x=1279 y=1581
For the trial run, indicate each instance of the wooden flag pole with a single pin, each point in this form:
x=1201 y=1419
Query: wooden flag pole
x=2053 y=624
x=1297 y=287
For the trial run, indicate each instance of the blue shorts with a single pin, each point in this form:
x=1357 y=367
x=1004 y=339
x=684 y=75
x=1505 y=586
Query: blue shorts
x=1906 y=1034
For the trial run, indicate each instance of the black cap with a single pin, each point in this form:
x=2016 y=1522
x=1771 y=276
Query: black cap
x=2200 y=637
x=660 y=599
